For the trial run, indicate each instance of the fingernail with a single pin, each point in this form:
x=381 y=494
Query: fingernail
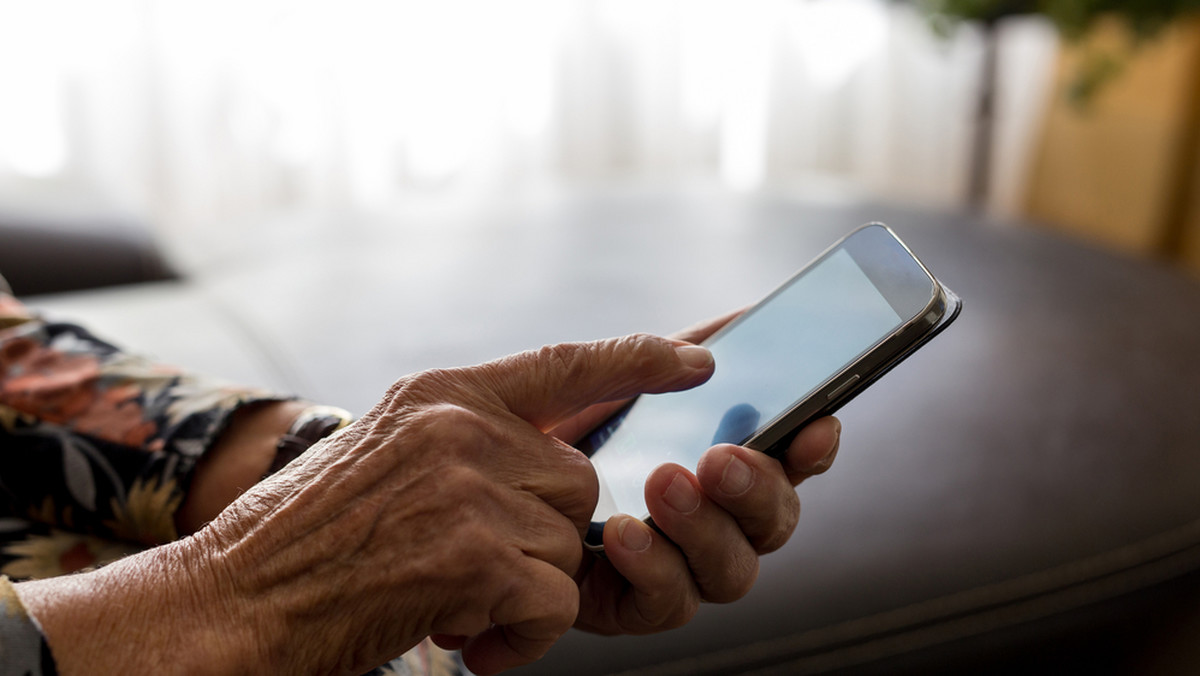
x=633 y=536
x=825 y=463
x=681 y=495
x=694 y=356
x=737 y=477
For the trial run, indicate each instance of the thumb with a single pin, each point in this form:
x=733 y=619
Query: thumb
x=547 y=386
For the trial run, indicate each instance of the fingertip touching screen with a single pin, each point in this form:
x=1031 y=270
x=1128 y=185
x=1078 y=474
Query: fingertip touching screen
x=785 y=348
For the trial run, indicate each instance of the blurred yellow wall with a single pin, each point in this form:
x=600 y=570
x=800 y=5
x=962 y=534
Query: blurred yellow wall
x=1120 y=169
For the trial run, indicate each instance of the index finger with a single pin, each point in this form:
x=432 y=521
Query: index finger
x=574 y=429
x=547 y=386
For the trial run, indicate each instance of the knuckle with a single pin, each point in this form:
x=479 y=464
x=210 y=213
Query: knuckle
x=581 y=473
x=396 y=397
x=567 y=359
x=468 y=619
x=564 y=552
x=430 y=385
x=413 y=391
x=739 y=577
x=643 y=351
x=453 y=428
x=569 y=485
x=788 y=518
x=562 y=605
x=467 y=483
x=479 y=553
x=667 y=608
x=684 y=612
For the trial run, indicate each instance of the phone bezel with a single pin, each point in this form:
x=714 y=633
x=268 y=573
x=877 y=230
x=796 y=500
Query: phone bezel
x=869 y=364
x=775 y=435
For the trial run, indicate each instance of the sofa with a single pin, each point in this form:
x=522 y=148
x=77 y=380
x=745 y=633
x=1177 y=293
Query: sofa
x=1021 y=497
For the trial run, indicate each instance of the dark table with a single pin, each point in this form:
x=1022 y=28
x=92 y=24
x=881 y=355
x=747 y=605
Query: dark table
x=1023 y=493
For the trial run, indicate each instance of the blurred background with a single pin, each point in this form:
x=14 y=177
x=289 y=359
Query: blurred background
x=347 y=192
x=220 y=117
x=208 y=120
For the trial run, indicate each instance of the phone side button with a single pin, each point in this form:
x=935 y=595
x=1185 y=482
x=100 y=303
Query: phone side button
x=841 y=389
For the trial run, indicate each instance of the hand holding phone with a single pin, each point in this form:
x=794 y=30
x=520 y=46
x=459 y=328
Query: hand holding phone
x=810 y=346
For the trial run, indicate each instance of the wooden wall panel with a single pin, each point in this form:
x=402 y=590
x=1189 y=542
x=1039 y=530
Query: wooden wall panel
x=1110 y=171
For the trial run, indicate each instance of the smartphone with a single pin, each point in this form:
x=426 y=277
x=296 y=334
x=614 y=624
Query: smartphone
x=806 y=349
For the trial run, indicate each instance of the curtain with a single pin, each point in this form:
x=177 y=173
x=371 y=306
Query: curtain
x=203 y=116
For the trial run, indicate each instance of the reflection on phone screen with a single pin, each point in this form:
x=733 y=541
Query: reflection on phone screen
x=738 y=423
x=781 y=351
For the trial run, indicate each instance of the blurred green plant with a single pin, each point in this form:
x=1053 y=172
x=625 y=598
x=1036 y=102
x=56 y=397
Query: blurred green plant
x=1073 y=18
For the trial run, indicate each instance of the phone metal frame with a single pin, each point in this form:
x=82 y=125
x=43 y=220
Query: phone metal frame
x=776 y=435
x=868 y=366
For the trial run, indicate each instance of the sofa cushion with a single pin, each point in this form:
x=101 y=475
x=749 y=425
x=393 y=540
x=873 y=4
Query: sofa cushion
x=48 y=251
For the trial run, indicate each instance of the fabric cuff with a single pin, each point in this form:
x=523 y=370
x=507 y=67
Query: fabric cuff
x=23 y=646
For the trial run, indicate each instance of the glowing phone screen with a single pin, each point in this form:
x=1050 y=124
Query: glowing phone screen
x=778 y=354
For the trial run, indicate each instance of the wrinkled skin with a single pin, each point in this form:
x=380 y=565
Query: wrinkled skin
x=713 y=544
x=447 y=500
x=452 y=509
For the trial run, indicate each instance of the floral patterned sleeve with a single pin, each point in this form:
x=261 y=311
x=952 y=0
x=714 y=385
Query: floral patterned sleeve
x=97 y=450
x=95 y=440
x=23 y=649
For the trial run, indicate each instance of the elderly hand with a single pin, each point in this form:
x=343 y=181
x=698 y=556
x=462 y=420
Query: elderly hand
x=738 y=505
x=447 y=510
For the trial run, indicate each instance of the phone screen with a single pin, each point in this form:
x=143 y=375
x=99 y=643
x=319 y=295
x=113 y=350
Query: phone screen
x=782 y=350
